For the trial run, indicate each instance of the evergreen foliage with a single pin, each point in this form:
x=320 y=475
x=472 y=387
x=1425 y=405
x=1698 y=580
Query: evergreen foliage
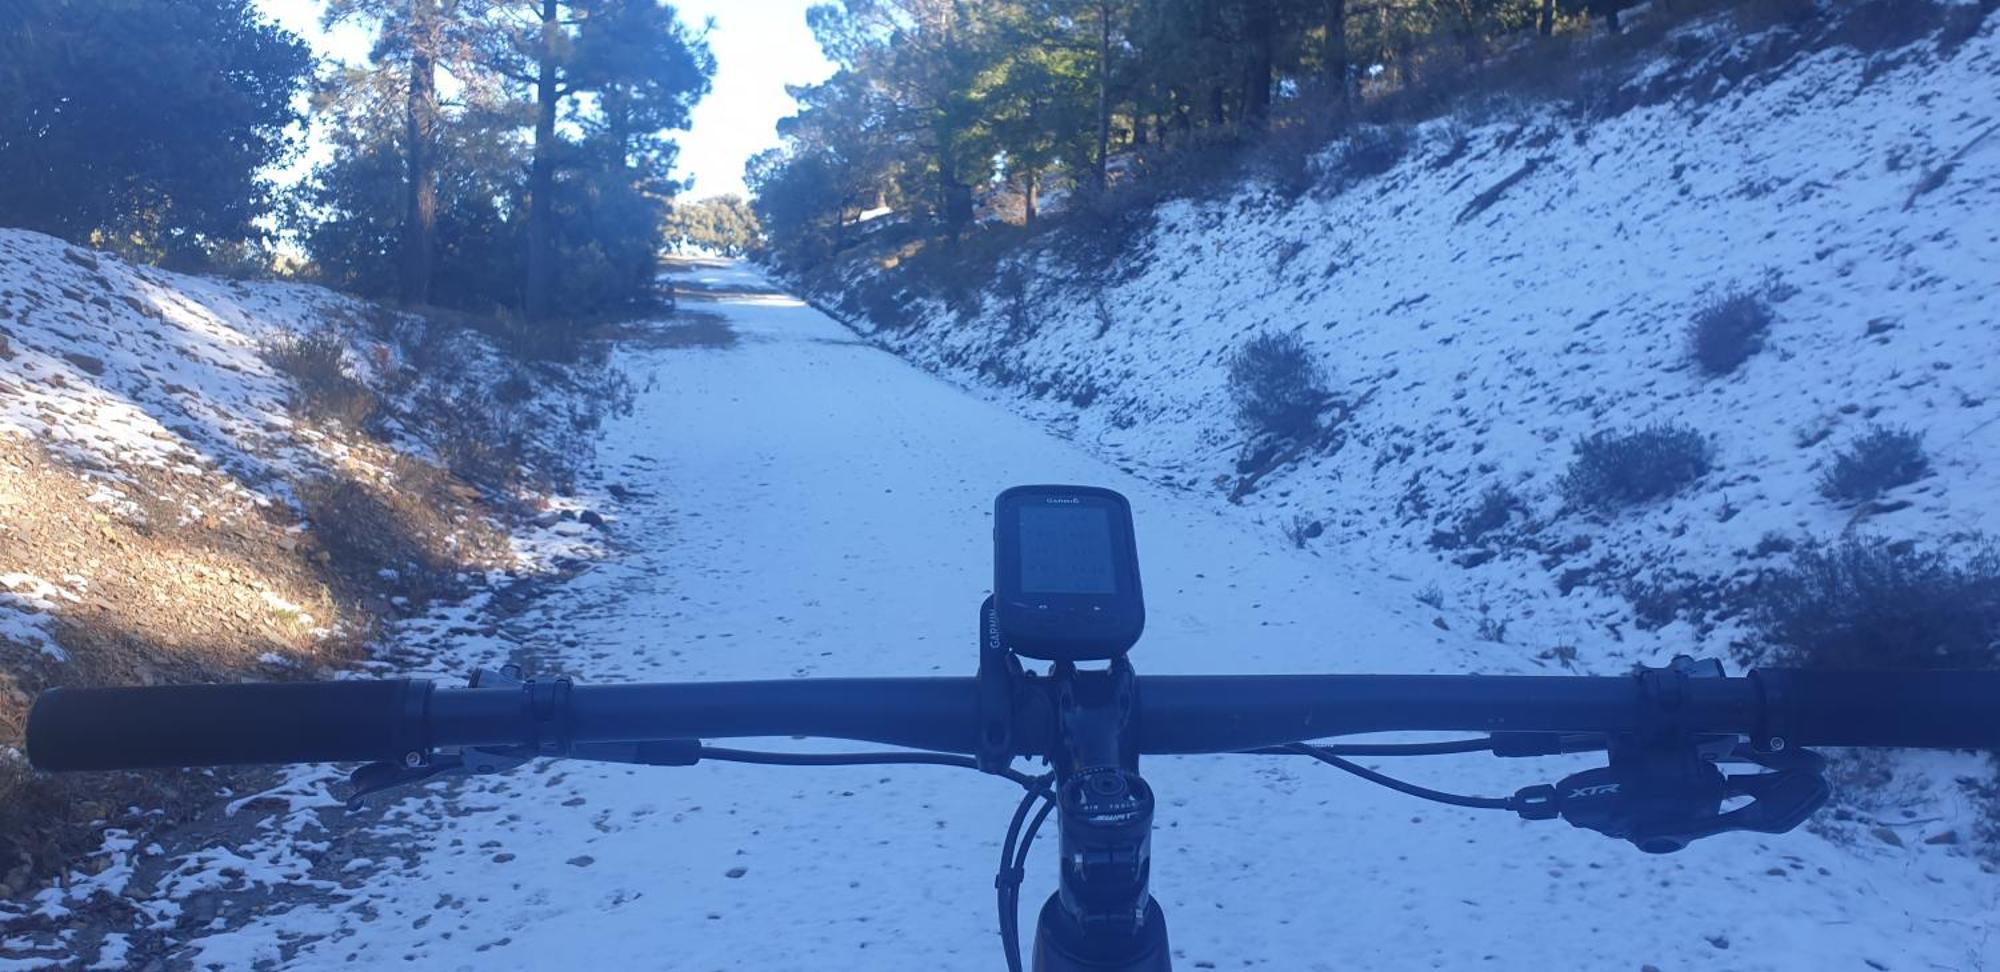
x=143 y=125
x=719 y=224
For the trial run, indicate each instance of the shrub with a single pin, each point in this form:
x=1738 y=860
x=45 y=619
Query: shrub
x=1455 y=140
x=1278 y=387
x=1303 y=530
x=473 y=434
x=317 y=364
x=1495 y=507
x=1986 y=798
x=1374 y=149
x=1613 y=469
x=1879 y=461
x=1012 y=289
x=530 y=340
x=1884 y=25
x=1757 y=15
x=886 y=306
x=1870 y=603
x=1727 y=332
x=413 y=518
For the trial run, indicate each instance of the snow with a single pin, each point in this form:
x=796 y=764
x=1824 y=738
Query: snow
x=820 y=509
x=116 y=366
x=823 y=512
x=27 y=607
x=1491 y=342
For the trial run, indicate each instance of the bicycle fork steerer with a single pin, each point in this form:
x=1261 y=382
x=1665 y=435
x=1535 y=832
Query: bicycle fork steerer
x=1102 y=915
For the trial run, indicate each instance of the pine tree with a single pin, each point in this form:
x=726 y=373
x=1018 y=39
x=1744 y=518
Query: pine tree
x=143 y=124
x=414 y=40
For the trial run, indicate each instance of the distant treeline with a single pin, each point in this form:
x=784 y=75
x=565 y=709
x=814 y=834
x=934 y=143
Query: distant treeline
x=938 y=104
x=491 y=155
x=719 y=224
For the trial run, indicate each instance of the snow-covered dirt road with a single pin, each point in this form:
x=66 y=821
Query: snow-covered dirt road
x=811 y=506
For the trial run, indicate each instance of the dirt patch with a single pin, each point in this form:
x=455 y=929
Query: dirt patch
x=716 y=295
x=689 y=264
x=153 y=576
x=391 y=523
x=142 y=575
x=687 y=329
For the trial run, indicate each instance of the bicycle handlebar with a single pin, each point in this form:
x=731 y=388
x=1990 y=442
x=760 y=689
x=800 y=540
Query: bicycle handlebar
x=304 y=722
x=216 y=725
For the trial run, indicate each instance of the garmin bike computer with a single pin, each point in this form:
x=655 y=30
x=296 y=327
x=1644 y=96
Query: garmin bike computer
x=1066 y=573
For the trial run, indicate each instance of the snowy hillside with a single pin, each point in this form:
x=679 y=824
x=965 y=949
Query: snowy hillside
x=835 y=525
x=127 y=363
x=167 y=397
x=1527 y=275
x=204 y=480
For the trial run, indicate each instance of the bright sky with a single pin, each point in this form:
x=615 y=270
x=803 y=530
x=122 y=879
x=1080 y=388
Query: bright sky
x=760 y=47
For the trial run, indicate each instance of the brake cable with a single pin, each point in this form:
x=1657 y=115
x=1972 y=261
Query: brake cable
x=1438 y=796
x=1013 y=864
x=854 y=759
x=1013 y=850
x=1483 y=744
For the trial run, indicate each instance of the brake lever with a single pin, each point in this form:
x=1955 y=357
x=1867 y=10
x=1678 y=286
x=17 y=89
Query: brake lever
x=421 y=767
x=375 y=777
x=1779 y=800
x=1668 y=802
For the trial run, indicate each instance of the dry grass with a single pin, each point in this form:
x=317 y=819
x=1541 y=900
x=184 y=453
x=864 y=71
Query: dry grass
x=317 y=364
x=386 y=511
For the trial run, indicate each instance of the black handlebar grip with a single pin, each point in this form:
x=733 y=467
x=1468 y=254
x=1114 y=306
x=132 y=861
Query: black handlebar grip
x=1918 y=709
x=218 y=725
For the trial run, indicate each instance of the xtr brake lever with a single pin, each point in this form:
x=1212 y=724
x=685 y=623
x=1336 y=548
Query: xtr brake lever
x=376 y=777
x=1667 y=800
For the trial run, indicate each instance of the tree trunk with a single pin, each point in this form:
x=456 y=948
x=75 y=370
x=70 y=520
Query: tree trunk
x=1263 y=29
x=420 y=137
x=542 y=175
x=954 y=197
x=1029 y=197
x=1545 y=22
x=1608 y=8
x=1333 y=55
x=1103 y=87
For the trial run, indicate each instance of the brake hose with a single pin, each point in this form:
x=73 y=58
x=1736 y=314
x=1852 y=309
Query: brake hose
x=1483 y=744
x=1013 y=861
x=1438 y=796
x=853 y=759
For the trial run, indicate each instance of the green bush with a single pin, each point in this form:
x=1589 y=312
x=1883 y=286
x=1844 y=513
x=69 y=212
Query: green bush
x=1879 y=461
x=1616 y=469
x=1278 y=386
x=1727 y=332
x=1871 y=603
x=1496 y=505
x=1374 y=149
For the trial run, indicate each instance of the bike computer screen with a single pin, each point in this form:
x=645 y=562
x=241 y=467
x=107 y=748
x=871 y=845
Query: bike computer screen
x=1066 y=573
